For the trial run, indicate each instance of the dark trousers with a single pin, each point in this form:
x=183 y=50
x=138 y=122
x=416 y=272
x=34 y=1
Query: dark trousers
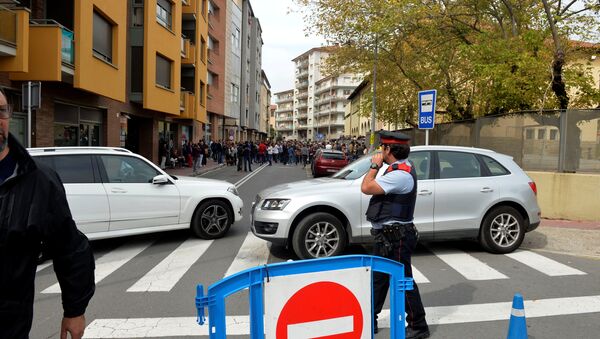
x=247 y=164
x=402 y=252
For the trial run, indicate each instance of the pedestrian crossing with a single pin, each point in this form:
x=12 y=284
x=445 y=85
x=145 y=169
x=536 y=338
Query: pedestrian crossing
x=255 y=252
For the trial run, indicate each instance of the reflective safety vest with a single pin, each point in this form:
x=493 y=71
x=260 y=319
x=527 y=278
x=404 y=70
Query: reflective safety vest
x=400 y=207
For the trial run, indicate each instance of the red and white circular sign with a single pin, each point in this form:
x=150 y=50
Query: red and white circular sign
x=325 y=305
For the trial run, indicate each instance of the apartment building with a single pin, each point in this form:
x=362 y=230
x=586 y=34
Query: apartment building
x=264 y=109
x=318 y=105
x=217 y=39
x=113 y=73
x=284 y=115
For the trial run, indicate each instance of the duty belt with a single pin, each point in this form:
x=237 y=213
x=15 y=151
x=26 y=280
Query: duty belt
x=392 y=234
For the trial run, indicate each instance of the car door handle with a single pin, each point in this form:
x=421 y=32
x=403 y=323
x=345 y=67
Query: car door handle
x=487 y=190
x=425 y=192
x=118 y=190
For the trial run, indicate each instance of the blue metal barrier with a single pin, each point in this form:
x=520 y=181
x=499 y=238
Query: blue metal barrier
x=254 y=278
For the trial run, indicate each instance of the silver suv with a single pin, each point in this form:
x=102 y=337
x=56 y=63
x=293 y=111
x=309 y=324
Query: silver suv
x=462 y=193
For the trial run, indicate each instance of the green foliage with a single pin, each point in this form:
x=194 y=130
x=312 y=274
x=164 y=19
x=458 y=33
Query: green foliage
x=483 y=56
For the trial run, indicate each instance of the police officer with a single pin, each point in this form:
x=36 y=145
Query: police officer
x=390 y=212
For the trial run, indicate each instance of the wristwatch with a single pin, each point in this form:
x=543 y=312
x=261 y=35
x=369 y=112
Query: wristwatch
x=375 y=166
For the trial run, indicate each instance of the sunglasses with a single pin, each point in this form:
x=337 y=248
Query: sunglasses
x=5 y=112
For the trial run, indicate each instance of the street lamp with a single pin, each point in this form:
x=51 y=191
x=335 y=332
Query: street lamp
x=373 y=107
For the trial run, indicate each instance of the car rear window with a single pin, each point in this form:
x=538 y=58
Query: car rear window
x=333 y=156
x=494 y=166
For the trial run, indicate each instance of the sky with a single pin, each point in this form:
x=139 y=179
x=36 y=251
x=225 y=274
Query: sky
x=284 y=39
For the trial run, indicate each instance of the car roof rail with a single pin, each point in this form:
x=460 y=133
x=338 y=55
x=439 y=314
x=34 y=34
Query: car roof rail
x=77 y=148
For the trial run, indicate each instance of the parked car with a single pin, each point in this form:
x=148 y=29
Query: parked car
x=462 y=193
x=113 y=192
x=327 y=162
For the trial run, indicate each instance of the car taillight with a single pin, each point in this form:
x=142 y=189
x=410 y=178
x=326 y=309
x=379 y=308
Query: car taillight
x=533 y=187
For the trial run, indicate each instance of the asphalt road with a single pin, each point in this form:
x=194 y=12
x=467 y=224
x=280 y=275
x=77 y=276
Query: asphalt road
x=144 y=292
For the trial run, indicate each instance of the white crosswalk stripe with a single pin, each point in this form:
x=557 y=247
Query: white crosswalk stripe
x=111 y=261
x=254 y=252
x=545 y=265
x=164 y=276
x=468 y=266
x=418 y=277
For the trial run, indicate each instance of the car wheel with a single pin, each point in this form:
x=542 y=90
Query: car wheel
x=319 y=235
x=502 y=230
x=212 y=219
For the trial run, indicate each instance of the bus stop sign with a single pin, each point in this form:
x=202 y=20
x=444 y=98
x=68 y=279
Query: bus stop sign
x=427 y=108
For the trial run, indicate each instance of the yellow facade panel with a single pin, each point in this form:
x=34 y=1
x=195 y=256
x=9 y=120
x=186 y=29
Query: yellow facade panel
x=201 y=63
x=45 y=42
x=190 y=7
x=94 y=73
x=19 y=62
x=166 y=42
x=190 y=55
x=187 y=105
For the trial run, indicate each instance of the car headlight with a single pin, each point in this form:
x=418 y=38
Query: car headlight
x=275 y=204
x=232 y=190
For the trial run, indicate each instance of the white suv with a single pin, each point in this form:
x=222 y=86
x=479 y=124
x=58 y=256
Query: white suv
x=113 y=192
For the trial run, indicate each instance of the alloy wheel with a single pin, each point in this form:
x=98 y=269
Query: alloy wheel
x=505 y=230
x=322 y=239
x=214 y=219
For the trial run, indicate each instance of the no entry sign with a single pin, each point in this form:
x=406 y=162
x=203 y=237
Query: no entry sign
x=330 y=304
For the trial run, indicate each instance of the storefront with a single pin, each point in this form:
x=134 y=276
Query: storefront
x=78 y=125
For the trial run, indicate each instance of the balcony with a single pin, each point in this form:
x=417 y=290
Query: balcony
x=52 y=52
x=284 y=118
x=189 y=9
x=302 y=105
x=189 y=59
x=302 y=74
x=281 y=109
x=303 y=116
x=14 y=39
x=285 y=99
x=302 y=85
x=302 y=95
x=303 y=64
x=187 y=105
x=284 y=127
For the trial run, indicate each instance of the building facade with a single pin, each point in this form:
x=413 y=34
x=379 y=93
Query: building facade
x=113 y=73
x=217 y=23
x=264 y=109
x=284 y=115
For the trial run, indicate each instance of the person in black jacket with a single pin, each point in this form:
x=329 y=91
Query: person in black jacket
x=34 y=213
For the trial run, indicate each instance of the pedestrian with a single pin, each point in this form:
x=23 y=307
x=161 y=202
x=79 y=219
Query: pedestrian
x=35 y=216
x=247 y=154
x=304 y=152
x=390 y=212
x=196 y=157
x=270 y=154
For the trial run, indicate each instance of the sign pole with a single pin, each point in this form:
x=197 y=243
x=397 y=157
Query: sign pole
x=426 y=137
x=29 y=114
x=427 y=100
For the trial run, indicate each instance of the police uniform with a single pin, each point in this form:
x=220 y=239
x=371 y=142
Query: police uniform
x=391 y=216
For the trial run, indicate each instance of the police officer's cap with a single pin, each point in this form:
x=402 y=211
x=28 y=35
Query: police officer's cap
x=387 y=137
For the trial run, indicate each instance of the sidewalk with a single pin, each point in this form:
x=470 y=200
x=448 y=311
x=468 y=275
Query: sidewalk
x=580 y=238
x=187 y=171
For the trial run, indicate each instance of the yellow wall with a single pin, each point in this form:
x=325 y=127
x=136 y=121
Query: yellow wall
x=569 y=196
x=158 y=39
x=44 y=54
x=91 y=73
x=20 y=62
x=201 y=66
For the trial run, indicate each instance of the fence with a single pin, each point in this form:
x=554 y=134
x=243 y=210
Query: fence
x=562 y=141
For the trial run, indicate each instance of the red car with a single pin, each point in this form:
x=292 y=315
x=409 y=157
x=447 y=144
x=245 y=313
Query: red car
x=327 y=162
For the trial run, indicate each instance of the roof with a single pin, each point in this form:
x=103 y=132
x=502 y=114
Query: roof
x=358 y=89
x=283 y=92
x=316 y=49
x=78 y=149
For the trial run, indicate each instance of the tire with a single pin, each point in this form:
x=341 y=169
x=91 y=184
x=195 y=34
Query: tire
x=502 y=230
x=331 y=243
x=212 y=220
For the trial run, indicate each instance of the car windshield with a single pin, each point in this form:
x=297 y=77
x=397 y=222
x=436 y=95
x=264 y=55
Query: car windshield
x=355 y=169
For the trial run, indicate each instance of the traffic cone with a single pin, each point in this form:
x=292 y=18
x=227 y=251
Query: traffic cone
x=517 y=328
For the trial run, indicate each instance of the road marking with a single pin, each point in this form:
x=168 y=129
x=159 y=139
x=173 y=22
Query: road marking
x=254 y=252
x=543 y=264
x=321 y=328
x=111 y=261
x=164 y=276
x=42 y=266
x=250 y=175
x=438 y=315
x=418 y=277
x=468 y=266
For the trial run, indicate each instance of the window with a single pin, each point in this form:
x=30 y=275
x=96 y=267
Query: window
x=235 y=38
x=137 y=69
x=74 y=169
x=202 y=50
x=235 y=93
x=103 y=38
x=458 y=165
x=124 y=169
x=164 y=13
x=494 y=166
x=553 y=134
x=202 y=93
x=529 y=134
x=163 y=71
x=541 y=134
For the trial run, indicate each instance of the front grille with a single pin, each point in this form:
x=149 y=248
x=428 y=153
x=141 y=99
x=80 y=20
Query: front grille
x=265 y=227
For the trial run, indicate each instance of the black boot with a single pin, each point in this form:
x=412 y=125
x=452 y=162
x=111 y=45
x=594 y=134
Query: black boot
x=421 y=333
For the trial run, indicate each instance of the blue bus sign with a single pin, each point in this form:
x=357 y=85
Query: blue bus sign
x=427 y=108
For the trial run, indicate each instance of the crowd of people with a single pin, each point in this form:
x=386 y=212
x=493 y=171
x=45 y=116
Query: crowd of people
x=244 y=154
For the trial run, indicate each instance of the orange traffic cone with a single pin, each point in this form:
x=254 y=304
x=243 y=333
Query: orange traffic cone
x=517 y=328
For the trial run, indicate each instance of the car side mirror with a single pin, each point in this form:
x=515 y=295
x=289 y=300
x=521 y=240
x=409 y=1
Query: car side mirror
x=160 y=180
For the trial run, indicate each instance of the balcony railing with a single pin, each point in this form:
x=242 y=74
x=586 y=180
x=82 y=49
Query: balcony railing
x=302 y=95
x=190 y=57
x=302 y=84
x=187 y=101
x=8 y=27
x=284 y=118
